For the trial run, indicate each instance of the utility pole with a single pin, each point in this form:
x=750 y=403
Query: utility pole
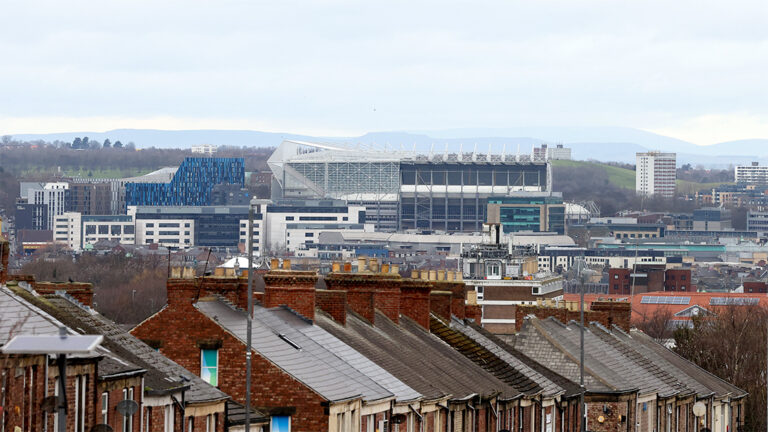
x=249 y=322
x=582 y=405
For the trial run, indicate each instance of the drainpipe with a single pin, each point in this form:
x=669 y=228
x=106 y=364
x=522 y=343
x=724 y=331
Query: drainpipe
x=472 y=423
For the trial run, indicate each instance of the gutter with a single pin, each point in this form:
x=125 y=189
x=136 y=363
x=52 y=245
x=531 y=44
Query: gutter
x=123 y=374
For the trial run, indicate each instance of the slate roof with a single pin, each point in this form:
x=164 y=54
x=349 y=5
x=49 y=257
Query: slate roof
x=535 y=342
x=418 y=358
x=484 y=358
x=551 y=383
x=20 y=316
x=608 y=360
x=673 y=385
x=697 y=378
x=402 y=392
x=162 y=374
x=295 y=353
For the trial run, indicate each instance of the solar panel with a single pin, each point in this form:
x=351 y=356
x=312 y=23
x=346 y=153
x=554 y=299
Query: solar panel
x=71 y=344
x=734 y=301
x=673 y=300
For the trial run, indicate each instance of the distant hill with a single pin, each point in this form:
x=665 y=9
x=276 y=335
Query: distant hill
x=597 y=143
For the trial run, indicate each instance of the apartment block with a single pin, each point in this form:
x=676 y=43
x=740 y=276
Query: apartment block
x=655 y=174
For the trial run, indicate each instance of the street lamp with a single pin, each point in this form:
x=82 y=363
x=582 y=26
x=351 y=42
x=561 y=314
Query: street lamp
x=584 y=273
x=60 y=345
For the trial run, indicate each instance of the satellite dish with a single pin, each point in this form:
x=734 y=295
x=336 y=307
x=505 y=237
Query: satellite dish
x=127 y=407
x=101 y=427
x=49 y=404
x=397 y=419
x=699 y=409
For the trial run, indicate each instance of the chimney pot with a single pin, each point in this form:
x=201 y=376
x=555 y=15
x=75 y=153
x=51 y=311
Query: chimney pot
x=336 y=266
x=274 y=264
x=425 y=275
x=450 y=276
x=175 y=272
x=286 y=264
x=433 y=275
x=441 y=275
x=385 y=268
x=414 y=274
x=361 y=264
x=395 y=269
x=347 y=267
x=373 y=265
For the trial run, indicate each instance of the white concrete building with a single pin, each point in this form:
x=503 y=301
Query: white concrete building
x=77 y=231
x=655 y=174
x=751 y=174
x=172 y=233
x=52 y=195
x=208 y=149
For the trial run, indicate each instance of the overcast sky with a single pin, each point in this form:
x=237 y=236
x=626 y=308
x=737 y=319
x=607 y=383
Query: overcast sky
x=694 y=70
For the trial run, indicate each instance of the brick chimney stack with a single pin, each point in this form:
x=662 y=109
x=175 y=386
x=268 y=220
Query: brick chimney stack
x=414 y=301
x=81 y=291
x=368 y=289
x=292 y=288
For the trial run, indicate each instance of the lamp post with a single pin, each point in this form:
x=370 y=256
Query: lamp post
x=60 y=345
x=249 y=321
x=583 y=276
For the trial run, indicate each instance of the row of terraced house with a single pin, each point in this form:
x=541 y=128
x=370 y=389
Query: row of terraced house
x=374 y=351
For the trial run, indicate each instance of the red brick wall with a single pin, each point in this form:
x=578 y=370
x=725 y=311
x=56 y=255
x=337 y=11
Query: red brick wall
x=619 y=281
x=474 y=312
x=440 y=303
x=295 y=289
x=755 y=287
x=361 y=291
x=611 y=418
x=458 y=299
x=180 y=326
x=81 y=291
x=87 y=369
x=619 y=313
x=115 y=390
x=334 y=303
x=414 y=301
x=676 y=279
x=387 y=296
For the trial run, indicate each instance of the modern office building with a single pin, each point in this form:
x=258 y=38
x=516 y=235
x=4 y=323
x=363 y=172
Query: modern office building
x=208 y=149
x=191 y=184
x=53 y=196
x=712 y=219
x=30 y=216
x=528 y=211
x=403 y=190
x=90 y=198
x=655 y=174
x=292 y=224
x=187 y=226
x=77 y=231
x=757 y=221
x=754 y=173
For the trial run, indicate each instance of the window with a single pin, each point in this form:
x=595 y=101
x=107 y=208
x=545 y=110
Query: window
x=128 y=420
x=150 y=225
x=615 y=276
x=210 y=426
x=191 y=424
x=81 y=390
x=480 y=292
x=105 y=408
x=289 y=218
x=280 y=424
x=309 y=234
x=168 y=425
x=209 y=366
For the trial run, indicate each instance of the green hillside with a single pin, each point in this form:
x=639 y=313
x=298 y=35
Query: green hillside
x=621 y=177
x=625 y=178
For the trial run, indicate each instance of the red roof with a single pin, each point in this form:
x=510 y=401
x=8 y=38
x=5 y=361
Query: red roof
x=675 y=302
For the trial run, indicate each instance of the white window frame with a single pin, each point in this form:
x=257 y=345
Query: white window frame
x=202 y=351
x=105 y=408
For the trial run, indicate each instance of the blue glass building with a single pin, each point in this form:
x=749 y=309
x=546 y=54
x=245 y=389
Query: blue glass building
x=528 y=211
x=191 y=185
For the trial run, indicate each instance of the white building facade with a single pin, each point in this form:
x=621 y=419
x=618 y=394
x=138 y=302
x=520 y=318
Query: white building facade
x=76 y=231
x=655 y=174
x=751 y=174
